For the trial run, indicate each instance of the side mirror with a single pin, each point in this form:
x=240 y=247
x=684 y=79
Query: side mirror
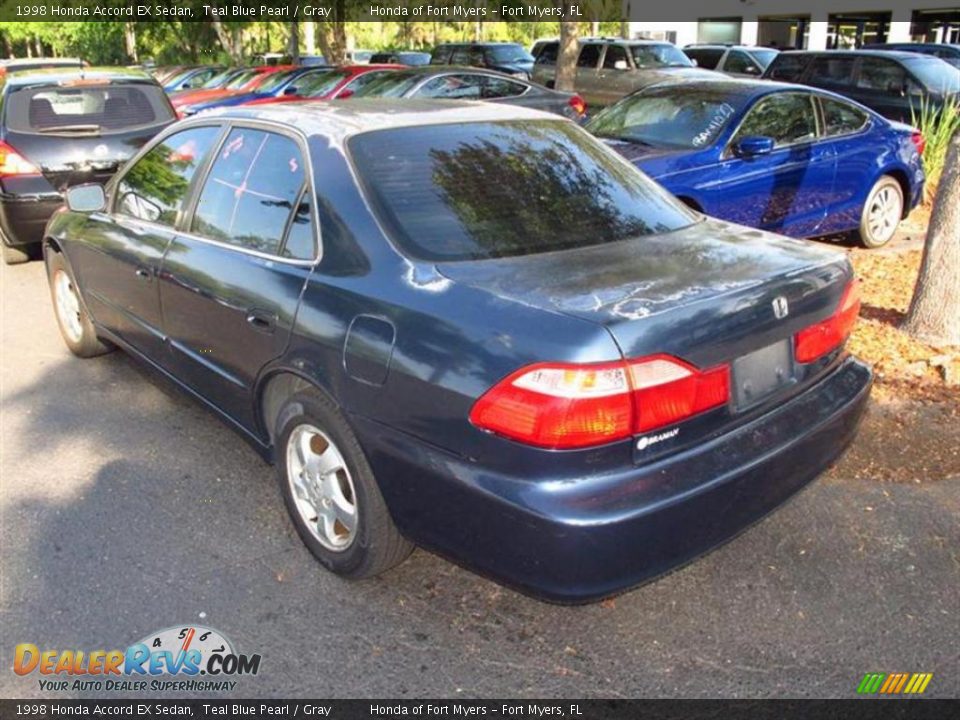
x=290 y=91
x=620 y=65
x=344 y=94
x=694 y=63
x=86 y=198
x=754 y=145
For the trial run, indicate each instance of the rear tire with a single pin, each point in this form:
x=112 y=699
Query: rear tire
x=882 y=213
x=76 y=329
x=330 y=491
x=14 y=255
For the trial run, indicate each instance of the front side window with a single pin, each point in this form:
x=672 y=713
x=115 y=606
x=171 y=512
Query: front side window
x=841 y=118
x=882 y=75
x=788 y=118
x=453 y=87
x=548 y=55
x=589 y=56
x=251 y=190
x=788 y=68
x=615 y=54
x=830 y=71
x=154 y=189
x=652 y=56
x=740 y=63
x=451 y=192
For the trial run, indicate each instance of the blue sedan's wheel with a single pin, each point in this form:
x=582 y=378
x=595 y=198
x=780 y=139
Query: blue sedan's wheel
x=881 y=213
x=330 y=490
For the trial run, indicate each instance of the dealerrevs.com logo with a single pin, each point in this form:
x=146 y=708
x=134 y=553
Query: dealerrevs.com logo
x=182 y=658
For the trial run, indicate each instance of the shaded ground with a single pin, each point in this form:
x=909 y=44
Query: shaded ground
x=125 y=508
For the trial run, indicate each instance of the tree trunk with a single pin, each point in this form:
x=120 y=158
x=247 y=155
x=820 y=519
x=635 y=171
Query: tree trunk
x=310 y=37
x=293 y=43
x=567 y=59
x=934 y=315
x=333 y=42
x=130 y=41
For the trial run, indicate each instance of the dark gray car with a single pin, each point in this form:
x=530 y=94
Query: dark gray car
x=463 y=83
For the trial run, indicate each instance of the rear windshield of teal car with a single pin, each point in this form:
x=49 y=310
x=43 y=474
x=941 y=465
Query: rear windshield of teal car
x=671 y=117
x=500 y=189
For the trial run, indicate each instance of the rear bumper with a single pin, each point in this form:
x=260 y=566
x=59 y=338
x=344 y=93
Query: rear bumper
x=24 y=217
x=582 y=540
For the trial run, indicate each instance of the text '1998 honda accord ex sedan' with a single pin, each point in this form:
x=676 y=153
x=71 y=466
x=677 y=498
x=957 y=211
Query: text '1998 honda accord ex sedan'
x=470 y=327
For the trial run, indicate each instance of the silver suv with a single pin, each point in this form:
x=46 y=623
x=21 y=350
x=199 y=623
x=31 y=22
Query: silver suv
x=609 y=68
x=736 y=60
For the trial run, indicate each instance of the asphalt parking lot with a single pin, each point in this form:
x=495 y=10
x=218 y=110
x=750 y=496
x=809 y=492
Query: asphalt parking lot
x=127 y=508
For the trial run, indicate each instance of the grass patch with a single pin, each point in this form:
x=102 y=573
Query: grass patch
x=938 y=124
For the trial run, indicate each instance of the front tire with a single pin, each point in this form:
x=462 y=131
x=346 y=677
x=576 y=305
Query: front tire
x=881 y=213
x=331 y=493
x=76 y=329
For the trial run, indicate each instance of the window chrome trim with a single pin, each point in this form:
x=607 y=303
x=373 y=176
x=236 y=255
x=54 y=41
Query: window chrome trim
x=227 y=124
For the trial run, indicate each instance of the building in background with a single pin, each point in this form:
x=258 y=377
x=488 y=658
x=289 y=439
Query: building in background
x=813 y=24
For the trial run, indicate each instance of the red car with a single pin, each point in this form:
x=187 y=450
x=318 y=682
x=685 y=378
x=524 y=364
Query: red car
x=249 y=80
x=339 y=83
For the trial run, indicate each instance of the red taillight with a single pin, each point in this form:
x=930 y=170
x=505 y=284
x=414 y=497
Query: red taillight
x=578 y=104
x=564 y=406
x=817 y=340
x=919 y=141
x=667 y=390
x=13 y=163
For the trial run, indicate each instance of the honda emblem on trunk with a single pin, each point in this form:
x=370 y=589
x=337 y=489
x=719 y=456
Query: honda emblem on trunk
x=780 y=307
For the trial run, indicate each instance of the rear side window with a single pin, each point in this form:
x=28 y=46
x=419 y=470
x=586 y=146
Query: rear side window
x=787 y=67
x=841 y=118
x=589 y=56
x=706 y=59
x=67 y=109
x=497 y=87
x=453 y=87
x=153 y=190
x=251 y=190
x=481 y=190
x=832 y=71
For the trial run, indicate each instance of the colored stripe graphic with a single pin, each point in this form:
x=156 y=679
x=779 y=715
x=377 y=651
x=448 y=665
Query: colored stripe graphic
x=870 y=683
x=894 y=683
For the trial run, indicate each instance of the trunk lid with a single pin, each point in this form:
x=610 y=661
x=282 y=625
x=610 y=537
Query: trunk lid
x=705 y=294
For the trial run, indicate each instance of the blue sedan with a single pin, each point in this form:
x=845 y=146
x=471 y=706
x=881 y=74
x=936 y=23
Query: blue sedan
x=778 y=157
x=285 y=82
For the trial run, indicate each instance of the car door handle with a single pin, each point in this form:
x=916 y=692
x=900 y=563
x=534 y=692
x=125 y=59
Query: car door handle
x=261 y=320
